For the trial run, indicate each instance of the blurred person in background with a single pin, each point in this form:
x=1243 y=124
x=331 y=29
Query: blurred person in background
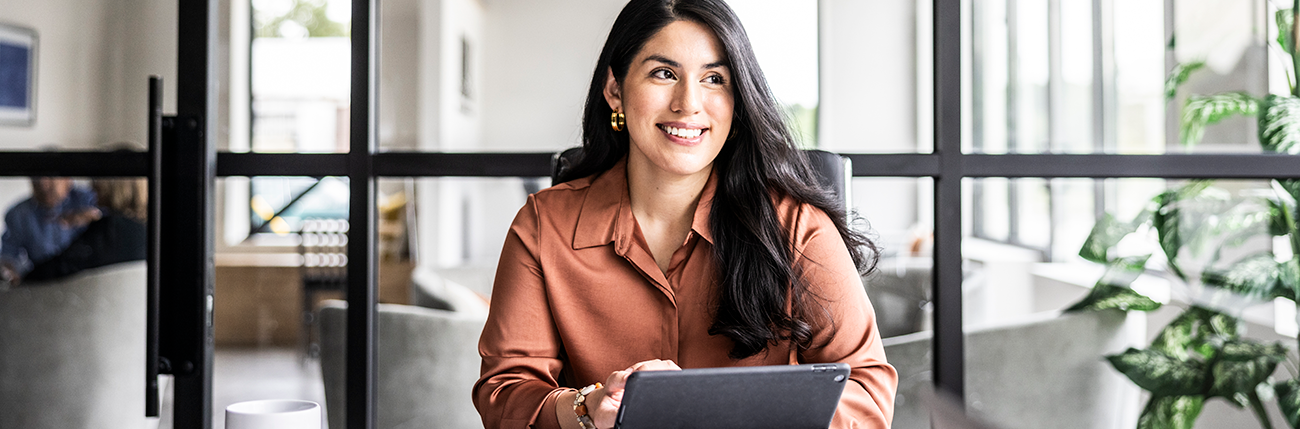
x=40 y=227
x=119 y=235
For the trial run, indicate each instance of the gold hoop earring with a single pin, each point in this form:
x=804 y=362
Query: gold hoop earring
x=618 y=121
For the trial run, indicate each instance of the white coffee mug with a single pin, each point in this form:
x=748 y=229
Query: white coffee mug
x=274 y=414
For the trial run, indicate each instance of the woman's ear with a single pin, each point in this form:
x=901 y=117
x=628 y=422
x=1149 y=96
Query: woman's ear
x=613 y=92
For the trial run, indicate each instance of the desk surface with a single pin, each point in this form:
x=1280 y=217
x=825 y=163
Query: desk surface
x=257 y=260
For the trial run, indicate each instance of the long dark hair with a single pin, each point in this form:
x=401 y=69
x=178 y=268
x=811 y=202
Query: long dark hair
x=753 y=251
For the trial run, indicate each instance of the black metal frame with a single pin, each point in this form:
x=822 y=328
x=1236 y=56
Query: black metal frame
x=190 y=165
x=363 y=296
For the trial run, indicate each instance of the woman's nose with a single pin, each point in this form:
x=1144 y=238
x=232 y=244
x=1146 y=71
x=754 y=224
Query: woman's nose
x=686 y=99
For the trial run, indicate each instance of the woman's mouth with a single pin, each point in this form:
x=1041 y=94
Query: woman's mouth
x=687 y=133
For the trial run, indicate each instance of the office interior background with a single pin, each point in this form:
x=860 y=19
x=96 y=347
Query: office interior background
x=1045 y=77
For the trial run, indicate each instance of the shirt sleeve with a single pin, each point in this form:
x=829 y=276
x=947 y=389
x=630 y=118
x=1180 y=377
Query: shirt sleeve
x=520 y=346
x=11 y=250
x=844 y=324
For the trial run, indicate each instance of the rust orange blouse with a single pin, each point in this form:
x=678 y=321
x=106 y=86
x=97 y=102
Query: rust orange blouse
x=578 y=295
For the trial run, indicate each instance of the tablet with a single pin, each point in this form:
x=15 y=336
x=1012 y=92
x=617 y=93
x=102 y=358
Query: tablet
x=782 y=396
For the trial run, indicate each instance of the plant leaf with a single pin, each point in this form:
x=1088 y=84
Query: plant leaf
x=1194 y=327
x=1178 y=76
x=1285 y=19
x=1113 y=291
x=1292 y=188
x=1105 y=296
x=1167 y=220
x=1279 y=124
x=1203 y=110
x=1161 y=374
x=1242 y=365
x=1171 y=412
x=1288 y=279
x=1243 y=350
x=1280 y=217
x=1105 y=235
x=1288 y=400
x=1255 y=277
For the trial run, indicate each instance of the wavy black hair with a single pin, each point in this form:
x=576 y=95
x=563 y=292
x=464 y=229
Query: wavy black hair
x=755 y=258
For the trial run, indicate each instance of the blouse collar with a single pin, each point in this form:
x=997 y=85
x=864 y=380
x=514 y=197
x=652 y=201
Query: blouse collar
x=606 y=214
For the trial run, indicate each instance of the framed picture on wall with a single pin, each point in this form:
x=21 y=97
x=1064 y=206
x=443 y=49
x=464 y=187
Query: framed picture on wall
x=17 y=75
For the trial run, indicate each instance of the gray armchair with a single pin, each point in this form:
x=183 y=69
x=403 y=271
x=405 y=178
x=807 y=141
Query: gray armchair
x=428 y=356
x=72 y=351
x=1044 y=371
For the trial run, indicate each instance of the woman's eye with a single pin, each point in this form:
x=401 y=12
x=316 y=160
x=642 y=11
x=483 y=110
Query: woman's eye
x=662 y=74
x=716 y=79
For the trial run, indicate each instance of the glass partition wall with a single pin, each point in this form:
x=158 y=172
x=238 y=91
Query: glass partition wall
x=980 y=175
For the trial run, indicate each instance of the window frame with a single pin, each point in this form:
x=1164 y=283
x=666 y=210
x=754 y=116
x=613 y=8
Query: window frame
x=947 y=165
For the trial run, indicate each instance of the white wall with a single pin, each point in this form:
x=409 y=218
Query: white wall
x=69 y=72
x=140 y=40
x=399 y=77
x=93 y=63
x=447 y=121
x=92 y=69
x=540 y=58
x=869 y=98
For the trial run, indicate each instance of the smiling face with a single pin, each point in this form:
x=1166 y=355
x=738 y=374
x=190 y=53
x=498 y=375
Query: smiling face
x=678 y=99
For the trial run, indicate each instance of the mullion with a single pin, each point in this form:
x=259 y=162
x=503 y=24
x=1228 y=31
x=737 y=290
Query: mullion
x=361 y=374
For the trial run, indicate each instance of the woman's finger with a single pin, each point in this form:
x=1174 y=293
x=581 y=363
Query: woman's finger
x=654 y=365
x=616 y=381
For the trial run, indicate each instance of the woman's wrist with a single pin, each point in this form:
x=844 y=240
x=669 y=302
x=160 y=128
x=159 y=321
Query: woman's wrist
x=564 y=409
x=585 y=402
x=567 y=413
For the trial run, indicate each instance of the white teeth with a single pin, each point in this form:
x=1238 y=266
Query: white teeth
x=683 y=132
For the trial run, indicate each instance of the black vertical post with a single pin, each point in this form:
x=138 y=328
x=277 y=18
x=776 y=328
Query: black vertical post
x=151 y=396
x=186 y=277
x=949 y=351
x=362 y=330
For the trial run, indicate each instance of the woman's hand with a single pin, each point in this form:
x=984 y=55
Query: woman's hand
x=604 y=402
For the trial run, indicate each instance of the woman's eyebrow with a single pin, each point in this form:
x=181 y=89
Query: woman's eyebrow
x=715 y=65
x=662 y=59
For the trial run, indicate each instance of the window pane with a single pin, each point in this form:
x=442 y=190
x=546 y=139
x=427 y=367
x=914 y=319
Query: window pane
x=76 y=73
x=467 y=77
x=900 y=213
x=453 y=230
x=73 y=303
x=1013 y=297
x=268 y=292
x=1044 y=79
x=1033 y=213
x=1072 y=94
x=280 y=205
x=300 y=77
x=877 y=76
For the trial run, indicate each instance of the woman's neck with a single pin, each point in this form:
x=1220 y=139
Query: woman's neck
x=664 y=205
x=660 y=196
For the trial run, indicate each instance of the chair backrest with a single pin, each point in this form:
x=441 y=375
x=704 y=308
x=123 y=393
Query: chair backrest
x=428 y=361
x=1044 y=371
x=72 y=351
x=834 y=171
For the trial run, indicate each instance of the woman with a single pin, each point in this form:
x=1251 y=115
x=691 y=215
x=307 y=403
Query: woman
x=118 y=235
x=692 y=235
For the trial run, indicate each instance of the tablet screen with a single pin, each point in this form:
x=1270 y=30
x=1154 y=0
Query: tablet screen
x=782 y=396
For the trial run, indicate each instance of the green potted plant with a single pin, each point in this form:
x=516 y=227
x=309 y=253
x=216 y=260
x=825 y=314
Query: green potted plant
x=1216 y=242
